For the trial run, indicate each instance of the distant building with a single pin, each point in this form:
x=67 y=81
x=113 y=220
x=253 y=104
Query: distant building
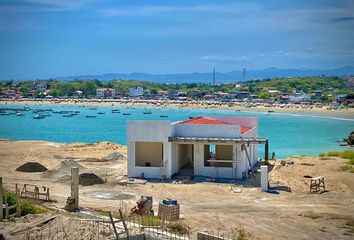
x=340 y=98
x=299 y=98
x=40 y=86
x=317 y=93
x=136 y=91
x=105 y=93
x=242 y=95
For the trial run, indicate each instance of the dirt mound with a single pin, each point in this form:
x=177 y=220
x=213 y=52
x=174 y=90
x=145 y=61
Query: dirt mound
x=89 y=179
x=31 y=167
x=63 y=168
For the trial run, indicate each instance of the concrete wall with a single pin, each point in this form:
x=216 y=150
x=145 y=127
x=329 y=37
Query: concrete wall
x=253 y=148
x=205 y=130
x=148 y=152
x=148 y=131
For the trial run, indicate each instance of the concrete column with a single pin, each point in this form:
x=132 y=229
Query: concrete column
x=264 y=178
x=75 y=186
x=266 y=150
x=1 y=196
x=234 y=159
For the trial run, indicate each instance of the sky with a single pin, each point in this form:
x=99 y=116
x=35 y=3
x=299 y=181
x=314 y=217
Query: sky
x=52 y=38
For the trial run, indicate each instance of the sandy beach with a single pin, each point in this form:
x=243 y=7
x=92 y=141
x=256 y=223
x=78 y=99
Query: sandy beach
x=315 y=110
x=289 y=212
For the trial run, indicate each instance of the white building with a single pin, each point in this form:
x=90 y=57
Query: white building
x=105 y=93
x=221 y=147
x=41 y=86
x=136 y=91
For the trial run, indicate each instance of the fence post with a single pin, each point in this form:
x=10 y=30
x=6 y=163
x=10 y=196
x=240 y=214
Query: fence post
x=18 y=204
x=75 y=186
x=1 y=196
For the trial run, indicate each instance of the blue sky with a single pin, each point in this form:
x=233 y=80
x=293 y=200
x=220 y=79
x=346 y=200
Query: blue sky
x=50 y=38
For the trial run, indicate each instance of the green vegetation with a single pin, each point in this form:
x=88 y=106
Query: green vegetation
x=30 y=207
x=27 y=206
x=347 y=154
x=178 y=227
x=333 y=154
x=330 y=86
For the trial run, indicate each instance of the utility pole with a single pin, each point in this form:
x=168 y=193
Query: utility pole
x=243 y=75
x=214 y=84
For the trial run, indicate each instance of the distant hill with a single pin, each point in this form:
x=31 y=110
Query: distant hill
x=232 y=76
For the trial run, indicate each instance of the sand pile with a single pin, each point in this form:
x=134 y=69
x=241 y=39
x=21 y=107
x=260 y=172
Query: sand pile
x=63 y=168
x=89 y=179
x=31 y=167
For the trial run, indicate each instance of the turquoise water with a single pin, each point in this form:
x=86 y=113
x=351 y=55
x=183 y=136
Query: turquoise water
x=288 y=134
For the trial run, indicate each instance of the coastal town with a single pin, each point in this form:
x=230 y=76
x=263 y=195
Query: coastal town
x=176 y=120
x=332 y=92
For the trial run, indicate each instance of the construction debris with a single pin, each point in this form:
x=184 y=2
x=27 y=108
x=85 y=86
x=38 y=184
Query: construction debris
x=143 y=206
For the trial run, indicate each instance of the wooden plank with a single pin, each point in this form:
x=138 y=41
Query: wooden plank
x=125 y=226
x=1 y=203
x=18 y=204
x=36 y=224
x=113 y=225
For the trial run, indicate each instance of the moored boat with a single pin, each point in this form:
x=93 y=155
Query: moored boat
x=39 y=116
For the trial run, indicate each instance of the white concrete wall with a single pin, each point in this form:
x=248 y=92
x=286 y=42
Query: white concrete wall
x=253 y=148
x=148 y=131
x=206 y=130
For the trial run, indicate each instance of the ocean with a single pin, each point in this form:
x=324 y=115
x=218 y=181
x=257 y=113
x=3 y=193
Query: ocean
x=288 y=134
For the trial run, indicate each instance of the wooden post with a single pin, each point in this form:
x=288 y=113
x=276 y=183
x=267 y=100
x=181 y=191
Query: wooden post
x=18 y=204
x=266 y=150
x=1 y=197
x=113 y=225
x=124 y=224
x=6 y=209
x=75 y=186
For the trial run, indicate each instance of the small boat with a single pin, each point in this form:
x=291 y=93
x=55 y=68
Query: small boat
x=115 y=111
x=163 y=116
x=190 y=117
x=20 y=114
x=93 y=108
x=90 y=116
x=39 y=116
x=147 y=112
x=127 y=114
x=47 y=115
x=67 y=115
x=101 y=113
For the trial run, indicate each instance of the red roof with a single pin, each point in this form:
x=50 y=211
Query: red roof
x=208 y=120
x=202 y=120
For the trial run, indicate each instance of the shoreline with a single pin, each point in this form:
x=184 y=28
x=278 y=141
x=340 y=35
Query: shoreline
x=298 y=110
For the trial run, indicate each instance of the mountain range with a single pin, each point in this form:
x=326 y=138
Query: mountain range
x=232 y=76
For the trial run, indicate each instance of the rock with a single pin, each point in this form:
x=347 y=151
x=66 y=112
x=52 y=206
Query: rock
x=350 y=139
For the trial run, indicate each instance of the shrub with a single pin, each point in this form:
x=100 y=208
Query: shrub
x=333 y=154
x=348 y=154
x=10 y=197
x=178 y=227
x=28 y=207
x=322 y=155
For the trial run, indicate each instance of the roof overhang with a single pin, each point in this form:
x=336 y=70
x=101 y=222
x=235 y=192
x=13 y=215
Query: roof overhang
x=219 y=140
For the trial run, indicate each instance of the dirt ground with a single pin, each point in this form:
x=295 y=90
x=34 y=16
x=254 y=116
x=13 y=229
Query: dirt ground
x=288 y=212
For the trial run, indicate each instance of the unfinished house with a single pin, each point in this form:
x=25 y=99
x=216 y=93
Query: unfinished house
x=218 y=147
